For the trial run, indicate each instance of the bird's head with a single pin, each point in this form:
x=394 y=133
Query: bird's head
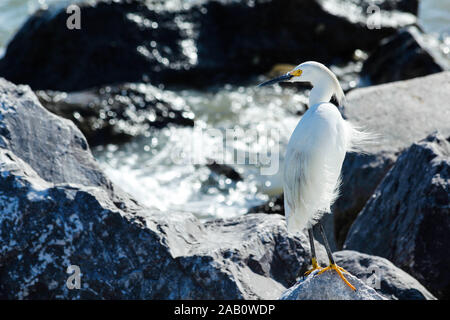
x=309 y=71
x=315 y=73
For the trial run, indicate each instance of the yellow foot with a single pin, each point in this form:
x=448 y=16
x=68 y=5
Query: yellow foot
x=312 y=270
x=315 y=266
x=339 y=271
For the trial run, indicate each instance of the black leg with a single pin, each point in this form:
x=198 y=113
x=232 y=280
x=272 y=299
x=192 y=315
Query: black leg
x=313 y=249
x=325 y=240
x=313 y=253
x=332 y=265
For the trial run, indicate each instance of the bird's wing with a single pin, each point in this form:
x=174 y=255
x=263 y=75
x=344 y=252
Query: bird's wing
x=295 y=166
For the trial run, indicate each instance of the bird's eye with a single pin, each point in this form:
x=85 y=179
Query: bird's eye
x=296 y=73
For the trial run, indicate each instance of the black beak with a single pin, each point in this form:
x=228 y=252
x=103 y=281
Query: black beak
x=284 y=77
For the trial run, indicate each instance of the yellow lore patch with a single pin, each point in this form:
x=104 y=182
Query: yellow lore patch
x=296 y=73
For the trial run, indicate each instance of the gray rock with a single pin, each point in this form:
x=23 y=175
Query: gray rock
x=400 y=113
x=37 y=137
x=382 y=275
x=329 y=286
x=407 y=220
x=254 y=251
x=361 y=173
x=58 y=209
x=408 y=54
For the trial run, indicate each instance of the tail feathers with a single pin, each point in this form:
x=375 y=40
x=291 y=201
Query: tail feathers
x=360 y=140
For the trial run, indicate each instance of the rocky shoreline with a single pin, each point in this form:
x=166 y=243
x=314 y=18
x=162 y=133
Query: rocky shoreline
x=55 y=218
x=391 y=223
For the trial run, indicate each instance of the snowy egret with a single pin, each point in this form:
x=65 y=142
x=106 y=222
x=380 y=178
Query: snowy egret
x=315 y=154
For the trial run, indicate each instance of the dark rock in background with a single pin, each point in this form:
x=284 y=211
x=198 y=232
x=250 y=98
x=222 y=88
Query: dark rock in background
x=198 y=44
x=382 y=275
x=224 y=169
x=275 y=205
x=58 y=209
x=407 y=220
x=361 y=174
x=115 y=114
x=399 y=113
x=407 y=54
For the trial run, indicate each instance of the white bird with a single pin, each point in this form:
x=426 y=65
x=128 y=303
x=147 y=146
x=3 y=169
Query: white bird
x=314 y=155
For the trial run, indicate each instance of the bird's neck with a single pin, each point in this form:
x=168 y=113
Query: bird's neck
x=320 y=93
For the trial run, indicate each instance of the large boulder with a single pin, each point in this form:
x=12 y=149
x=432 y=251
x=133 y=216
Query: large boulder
x=400 y=113
x=57 y=209
x=188 y=43
x=116 y=114
x=329 y=286
x=407 y=220
x=407 y=54
x=53 y=147
x=382 y=275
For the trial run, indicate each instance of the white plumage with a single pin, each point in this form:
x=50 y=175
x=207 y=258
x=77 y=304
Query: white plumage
x=316 y=149
x=314 y=157
x=313 y=164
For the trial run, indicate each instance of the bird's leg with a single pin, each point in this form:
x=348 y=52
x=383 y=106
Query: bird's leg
x=333 y=265
x=315 y=265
